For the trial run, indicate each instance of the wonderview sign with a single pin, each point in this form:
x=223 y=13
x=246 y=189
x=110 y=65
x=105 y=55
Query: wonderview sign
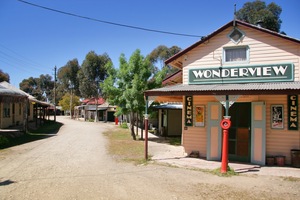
x=244 y=74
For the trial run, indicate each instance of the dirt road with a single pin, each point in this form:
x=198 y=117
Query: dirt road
x=74 y=164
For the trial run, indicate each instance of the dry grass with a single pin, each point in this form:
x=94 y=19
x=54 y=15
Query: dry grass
x=123 y=147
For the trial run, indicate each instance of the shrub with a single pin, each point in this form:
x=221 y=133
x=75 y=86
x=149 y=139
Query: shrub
x=4 y=142
x=124 y=125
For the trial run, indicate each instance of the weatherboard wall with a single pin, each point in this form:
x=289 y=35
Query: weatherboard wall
x=278 y=141
x=263 y=49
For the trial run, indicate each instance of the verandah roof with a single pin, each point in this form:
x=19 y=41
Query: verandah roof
x=7 y=89
x=228 y=89
x=8 y=95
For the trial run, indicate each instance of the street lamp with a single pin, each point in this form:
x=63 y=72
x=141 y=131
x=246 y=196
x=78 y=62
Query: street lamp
x=71 y=86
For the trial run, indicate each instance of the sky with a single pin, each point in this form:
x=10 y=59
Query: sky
x=34 y=40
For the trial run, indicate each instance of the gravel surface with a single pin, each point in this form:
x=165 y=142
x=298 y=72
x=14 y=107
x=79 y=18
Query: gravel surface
x=74 y=164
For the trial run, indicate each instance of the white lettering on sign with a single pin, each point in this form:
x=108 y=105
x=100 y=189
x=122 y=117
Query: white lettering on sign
x=240 y=72
x=189 y=111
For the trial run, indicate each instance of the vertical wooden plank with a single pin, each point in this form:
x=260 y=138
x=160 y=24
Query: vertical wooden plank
x=258 y=132
x=214 y=134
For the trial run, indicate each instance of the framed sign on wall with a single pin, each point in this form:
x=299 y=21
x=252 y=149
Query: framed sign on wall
x=199 y=115
x=277 y=116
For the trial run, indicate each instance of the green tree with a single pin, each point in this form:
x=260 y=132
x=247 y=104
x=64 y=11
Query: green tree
x=67 y=75
x=92 y=73
x=41 y=88
x=269 y=15
x=158 y=56
x=31 y=87
x=46 y=85
x=65 y=102
x=124 y=87
x=4 y=76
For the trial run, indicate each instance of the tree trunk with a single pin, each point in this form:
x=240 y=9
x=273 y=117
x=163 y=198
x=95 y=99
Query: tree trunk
x=142 y=128
x=132 y=126
x=137 y=124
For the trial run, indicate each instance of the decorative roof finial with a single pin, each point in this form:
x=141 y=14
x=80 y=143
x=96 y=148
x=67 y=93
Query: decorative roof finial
x=234 y=17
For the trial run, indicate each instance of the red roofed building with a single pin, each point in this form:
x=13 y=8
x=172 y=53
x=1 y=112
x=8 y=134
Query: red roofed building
x=91 y=106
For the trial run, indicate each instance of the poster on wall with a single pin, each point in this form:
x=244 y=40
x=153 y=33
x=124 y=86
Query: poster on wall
x=277 y=116
x=199 y=115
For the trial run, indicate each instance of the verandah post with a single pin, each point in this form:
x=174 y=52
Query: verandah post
x=146 y=129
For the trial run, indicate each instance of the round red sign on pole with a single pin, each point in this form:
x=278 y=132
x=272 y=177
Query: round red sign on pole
x=225 y=124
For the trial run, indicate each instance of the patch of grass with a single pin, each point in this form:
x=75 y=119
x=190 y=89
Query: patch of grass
x=46 y=130
x=175 y=141
x=4 y=142
x=123 y=147
x=151 y=131
x=124 y=125
x=230 y=172
x=290 y=178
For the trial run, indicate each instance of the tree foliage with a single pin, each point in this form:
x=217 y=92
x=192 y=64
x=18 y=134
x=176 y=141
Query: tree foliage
x=4 y=76
x=65 y=102
x=67 y=76
x=158 y=56
x=41 y=88
x=125 y=87
x=92 y=73
x=269 y=15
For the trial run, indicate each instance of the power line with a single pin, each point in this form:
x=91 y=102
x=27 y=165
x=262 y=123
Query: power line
x=23 y=58
x=18 y=61
x=108 y=22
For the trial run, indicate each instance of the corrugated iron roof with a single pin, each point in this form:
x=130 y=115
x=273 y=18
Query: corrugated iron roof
x=8 y=92
x=19 y=92
x=232 y=89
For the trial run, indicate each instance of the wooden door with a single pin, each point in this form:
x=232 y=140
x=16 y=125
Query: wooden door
x=239 y=132
x=214 y=134
x=258 y=133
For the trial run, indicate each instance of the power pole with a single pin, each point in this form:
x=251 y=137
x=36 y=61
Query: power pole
x=55 y=93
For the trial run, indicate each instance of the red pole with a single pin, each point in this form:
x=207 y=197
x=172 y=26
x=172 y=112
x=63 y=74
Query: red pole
x=146 y=138
x=225 y=124
x=224 y=151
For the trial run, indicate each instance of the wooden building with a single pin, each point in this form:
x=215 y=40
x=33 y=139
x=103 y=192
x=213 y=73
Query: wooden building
x=11 y=107
x=18 y=108
x=253 y=71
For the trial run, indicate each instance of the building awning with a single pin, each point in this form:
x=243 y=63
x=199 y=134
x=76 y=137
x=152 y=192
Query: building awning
x=169 y=106
x=8 y=92
x=228 y=89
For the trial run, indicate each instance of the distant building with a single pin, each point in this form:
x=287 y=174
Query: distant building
x=95 y=106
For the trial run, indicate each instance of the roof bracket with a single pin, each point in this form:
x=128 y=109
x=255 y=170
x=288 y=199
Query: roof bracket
x=222 y=99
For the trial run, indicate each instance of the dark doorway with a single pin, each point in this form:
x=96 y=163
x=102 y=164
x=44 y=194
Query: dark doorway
x=111 y=116
x=240 y=132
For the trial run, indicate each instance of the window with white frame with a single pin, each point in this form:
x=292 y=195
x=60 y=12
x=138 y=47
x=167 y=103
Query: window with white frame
x=236 y=54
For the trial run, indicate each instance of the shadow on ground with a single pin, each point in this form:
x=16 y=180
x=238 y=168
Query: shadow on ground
x=45 y=130
x=6 y=182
